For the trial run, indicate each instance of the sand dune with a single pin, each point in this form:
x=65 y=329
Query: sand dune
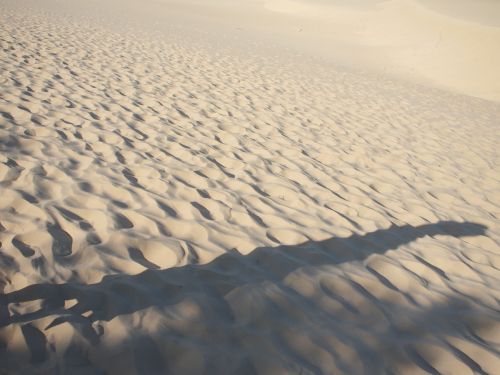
x=173 y=206
x=448 y=44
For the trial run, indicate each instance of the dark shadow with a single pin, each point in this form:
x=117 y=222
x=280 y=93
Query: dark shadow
x=62 y=240
x=137 y=256
x=25 y=250
x=36 y=341
x=202 y=210
x=118 y=295
x=223 y=274
x=147 y=356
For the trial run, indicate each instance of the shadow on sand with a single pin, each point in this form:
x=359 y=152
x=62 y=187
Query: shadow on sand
x=120 y=295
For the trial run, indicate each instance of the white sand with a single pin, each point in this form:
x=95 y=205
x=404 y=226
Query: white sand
x=189 y=196
x=454 y=47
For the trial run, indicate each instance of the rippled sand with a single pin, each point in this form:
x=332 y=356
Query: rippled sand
x=167 y=208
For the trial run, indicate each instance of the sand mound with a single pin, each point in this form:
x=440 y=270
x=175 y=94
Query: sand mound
x=172 y=209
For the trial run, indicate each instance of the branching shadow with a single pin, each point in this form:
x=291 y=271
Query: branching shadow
x=119 y=295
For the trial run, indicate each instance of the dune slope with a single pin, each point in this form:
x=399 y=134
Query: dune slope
x=170 y=208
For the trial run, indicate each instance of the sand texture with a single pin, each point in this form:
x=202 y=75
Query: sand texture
x=169 y=208
x=451 y=44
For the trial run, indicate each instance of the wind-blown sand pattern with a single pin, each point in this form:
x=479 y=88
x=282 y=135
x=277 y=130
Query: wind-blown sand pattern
x=167 y=208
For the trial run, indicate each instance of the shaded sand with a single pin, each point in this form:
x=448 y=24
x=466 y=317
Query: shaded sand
x=168 y=207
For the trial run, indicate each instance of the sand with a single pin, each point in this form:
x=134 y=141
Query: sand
x=174 y=201
x=449 y=44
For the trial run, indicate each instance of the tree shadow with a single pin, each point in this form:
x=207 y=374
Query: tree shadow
x=120 y=295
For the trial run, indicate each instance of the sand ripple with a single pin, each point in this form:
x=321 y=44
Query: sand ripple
x=171 y=210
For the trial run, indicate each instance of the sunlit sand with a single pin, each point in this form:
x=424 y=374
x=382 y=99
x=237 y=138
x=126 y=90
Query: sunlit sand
x=253 y=187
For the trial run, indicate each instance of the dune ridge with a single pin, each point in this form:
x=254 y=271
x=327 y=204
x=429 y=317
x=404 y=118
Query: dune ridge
x=168 y=208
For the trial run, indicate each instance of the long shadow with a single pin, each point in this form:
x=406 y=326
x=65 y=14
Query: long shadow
x=118 y=295
x=219 y=277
